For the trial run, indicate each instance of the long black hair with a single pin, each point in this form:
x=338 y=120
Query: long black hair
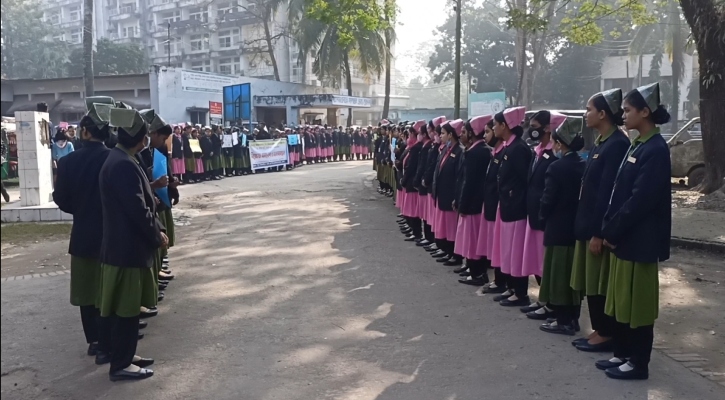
x=601 y=105
x=518 y=130
x=494 y=139
x=659 y=116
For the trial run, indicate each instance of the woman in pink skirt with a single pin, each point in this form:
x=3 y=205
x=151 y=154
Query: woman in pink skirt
x=470 y=200
x=513 y=175
x=177 y=154
x=540 y=127
x=434 y=130
x=423 y=198
x=444 y=186
x=411 y=160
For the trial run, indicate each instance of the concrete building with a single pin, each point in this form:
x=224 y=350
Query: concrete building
x=624 y=72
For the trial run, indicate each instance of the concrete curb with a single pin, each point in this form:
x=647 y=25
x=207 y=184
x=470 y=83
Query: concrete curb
x=694 y=244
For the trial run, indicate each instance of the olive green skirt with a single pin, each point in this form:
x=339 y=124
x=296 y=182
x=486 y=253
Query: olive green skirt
x=555 y=288
x=590 y=273
x=167 y=219
x=208 y=164
x=190 y=164
x=123 y=291
x=238 y=162
x=227 y=162
x=344 y=150
x=633 y=295
x=246 y=161
x=216 y=162
x=84 y=276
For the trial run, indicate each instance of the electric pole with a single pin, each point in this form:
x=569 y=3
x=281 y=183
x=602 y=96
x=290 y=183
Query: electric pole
x=457 y=89
x=168 y=44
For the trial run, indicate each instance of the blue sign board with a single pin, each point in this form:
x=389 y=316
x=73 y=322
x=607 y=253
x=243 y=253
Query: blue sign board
x=486 y=103
x=238 y=103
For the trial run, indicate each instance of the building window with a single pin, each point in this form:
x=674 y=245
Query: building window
x=76 y=36
x=172 y=45
x=199 y=42
x=171 y=16
x=199 y=14
x=127 y=8
x=54 y=19
x=228 y=38
x=129 y=31
x=203 y=66
x=229 y=66
x=226 y=8
x=74 y=13
x=197 y=117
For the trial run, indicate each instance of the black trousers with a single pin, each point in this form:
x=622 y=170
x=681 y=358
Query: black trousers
x=124 y=339
x=479 y=268
x=499 y=278
x=416 y=226
x=519 y=285
x=90 y=319
x=634 y=344
x=601 y=322
x=565 y=315
x=428 y=232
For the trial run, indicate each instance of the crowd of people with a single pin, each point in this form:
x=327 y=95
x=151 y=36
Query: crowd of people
x=477 y=197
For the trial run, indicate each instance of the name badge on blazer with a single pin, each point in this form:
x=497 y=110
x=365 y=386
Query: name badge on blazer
x=496 y=160
x=453 y=156
x=632 y=160
x=505 y=157
x=546 y=156
x=596 y=156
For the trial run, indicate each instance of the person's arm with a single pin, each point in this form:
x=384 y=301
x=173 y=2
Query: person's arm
x=550 y=197
x=609 y=173
x=63 y=193
x=128 y=188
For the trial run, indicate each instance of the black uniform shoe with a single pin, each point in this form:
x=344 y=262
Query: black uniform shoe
x=460 y=269
x=559 y=329
x=498 y=289
x=163 y=285
x=635 y=374
x=607 y=364
x=531 y=307
x=140 y=336
x=142 y=324
x=540 y=316
x=161 y=296
x=444 y=259
x=604 y=347
x=166 y=278
x=410 y=238
x=466 y=273
x=144 y=362
x=473 y=282
x=453 y=262
x=103 y=358
x=502 y=296
x=406 y=231
x=130 y=376
x=579 y=341
x=515 y=303
x=92 y=349
x=423 y=243
x=430 y=248
x=152 y=312
x=439 y=254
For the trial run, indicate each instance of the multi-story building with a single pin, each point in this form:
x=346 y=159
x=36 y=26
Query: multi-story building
x=221 y=36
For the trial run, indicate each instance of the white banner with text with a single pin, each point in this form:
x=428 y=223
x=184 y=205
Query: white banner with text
x=268 y=153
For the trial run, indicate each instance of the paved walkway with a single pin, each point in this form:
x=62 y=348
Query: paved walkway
x=699 y=225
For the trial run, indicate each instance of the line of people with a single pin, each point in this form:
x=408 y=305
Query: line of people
x=327 y=144
x=476 y=197
x=121 y=200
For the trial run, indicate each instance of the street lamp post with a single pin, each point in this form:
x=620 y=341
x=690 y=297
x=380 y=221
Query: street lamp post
x=457 y=89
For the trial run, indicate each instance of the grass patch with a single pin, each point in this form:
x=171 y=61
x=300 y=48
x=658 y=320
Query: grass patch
x=31 y=232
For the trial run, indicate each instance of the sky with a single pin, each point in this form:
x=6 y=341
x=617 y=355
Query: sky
x=417 y=22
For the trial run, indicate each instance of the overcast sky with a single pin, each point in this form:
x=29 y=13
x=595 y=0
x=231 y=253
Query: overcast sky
x=418 y=20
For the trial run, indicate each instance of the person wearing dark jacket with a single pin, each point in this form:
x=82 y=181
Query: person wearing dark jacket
x=77 y=193
x=557 y=211
x=470 y=201
x=434 y=157
x=590 y=274
x=217 y=159
x=207 y=151
x=637 y=228
x=177 y=154
x=189 y=162
x=444 y=187
x=410 y=208
x=541 y=126
x=423 y=206
x=131 y=236
x=513 y=175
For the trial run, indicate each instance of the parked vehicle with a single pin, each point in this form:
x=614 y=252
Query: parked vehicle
x=687 y=155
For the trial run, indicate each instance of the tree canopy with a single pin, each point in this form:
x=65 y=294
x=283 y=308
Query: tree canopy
x=111 y=59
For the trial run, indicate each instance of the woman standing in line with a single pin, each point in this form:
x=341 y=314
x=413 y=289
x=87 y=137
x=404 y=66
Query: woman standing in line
x=177 y=154
x=427 y=236
x=590 y=274
x=512 y=182
x=434 y=157
x=637 y=228
x=470 y=201
x=410 y=168
x=444 y=186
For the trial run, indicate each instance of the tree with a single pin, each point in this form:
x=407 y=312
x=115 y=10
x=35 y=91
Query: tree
x=111 y=58
x=264 y=11
x=343 y=32
x=88 y=47
x=389 y=13
x=27 y=48
x=707 y=22
x=573 y=75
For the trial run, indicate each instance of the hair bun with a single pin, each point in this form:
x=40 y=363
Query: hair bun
x=618 y=119
x=660 y=116
x=577 y=144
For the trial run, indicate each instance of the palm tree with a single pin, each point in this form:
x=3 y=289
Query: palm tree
x=674 y=31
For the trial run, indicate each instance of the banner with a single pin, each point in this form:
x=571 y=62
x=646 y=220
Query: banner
x=194 y=145
x=207 y=82
x=215 y=110
x=268 y=153
x=159 y=170
x=486 y=103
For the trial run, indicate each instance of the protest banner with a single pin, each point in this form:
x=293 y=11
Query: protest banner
x=268 y=153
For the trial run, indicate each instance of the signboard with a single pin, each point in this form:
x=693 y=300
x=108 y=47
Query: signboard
x=215 y=110
x=238 y=103
x=193 y=81
x=486 y=103
x=351 y=101
x=268 y=153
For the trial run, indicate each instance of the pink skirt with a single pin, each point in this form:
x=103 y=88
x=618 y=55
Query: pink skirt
x=422 y=206
x=512 y=236
x=177 y=166
x=485 y=237
x=467 y=236
x=446 y=223
x=309 y=153
x=365 y=150
x=400 y=199
x=410 y=205
x=533 y=262
x=494 y=250
x=430 y=210
x=199 y=166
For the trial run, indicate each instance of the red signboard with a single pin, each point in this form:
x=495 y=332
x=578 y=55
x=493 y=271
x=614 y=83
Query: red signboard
x=215 y=109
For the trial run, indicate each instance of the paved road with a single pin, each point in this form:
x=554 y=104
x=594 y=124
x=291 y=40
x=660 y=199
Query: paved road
x=297 y=285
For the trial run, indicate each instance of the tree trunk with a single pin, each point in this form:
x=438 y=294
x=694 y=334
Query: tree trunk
x=268 y=38
x=348 y=82
x=88 y=47
x=704 y=20
x=388 y=56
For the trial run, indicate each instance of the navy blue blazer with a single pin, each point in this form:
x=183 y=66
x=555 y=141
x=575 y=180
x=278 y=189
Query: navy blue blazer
x=560 y=199
x=430 y=168
x=535 y=189
x=596 y=186
x=449 y=172
x=490 y=196
x=422 y=166
x=410 y=168
x=473 y=180
x=639 y=218
x=513 y=176
x=77 y=193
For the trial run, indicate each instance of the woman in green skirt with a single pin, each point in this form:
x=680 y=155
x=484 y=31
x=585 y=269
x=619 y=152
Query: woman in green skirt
x=558 y=202
x=132 y=236
x=637 y=227
x=590 y=273
x=77 y=193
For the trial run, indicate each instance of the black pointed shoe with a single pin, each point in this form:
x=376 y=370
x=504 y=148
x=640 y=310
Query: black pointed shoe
x=130 y=376
x=444 y=259
x=439 y=254
x=579 y=341
x=607 y=364
x=558 y=329
x=538 y=316
x=604 y=347
x=473 y=281
x=497 y=289
x=503 y=296
x=467 y=273
x=431 y=248
x=150 y=312
x=143 y=362
x=92 y=349
x=635 y=374
x=531 y=307
x=423 y=243
x=514 y=303
x=453 y=262
x=103 y=358
x=410 y=238
x=460 y=269
x=142 y=324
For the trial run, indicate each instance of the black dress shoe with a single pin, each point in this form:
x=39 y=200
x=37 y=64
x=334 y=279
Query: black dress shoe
x=152 y=312
x=498 y=289
x=161 y=296
x=453 y=262
x=579 y=341
x=430 y=249
x=502 y=296
x=423 y=243
x=604 y=347
x=576 y=326
x=92 y=349
x=530 y=307
x=130 y=376
x=635 y=374
x=606 y=364
x=140 y=336
x=558 y=329
x=514 y=303
x=165 y=278
x=163 y=285
x=142 y=324
x=444 y=259
x=472 y=282
x=539 y=317
x=439 y=254
x=103 y=358
x=143 y=362
x=406 y=232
